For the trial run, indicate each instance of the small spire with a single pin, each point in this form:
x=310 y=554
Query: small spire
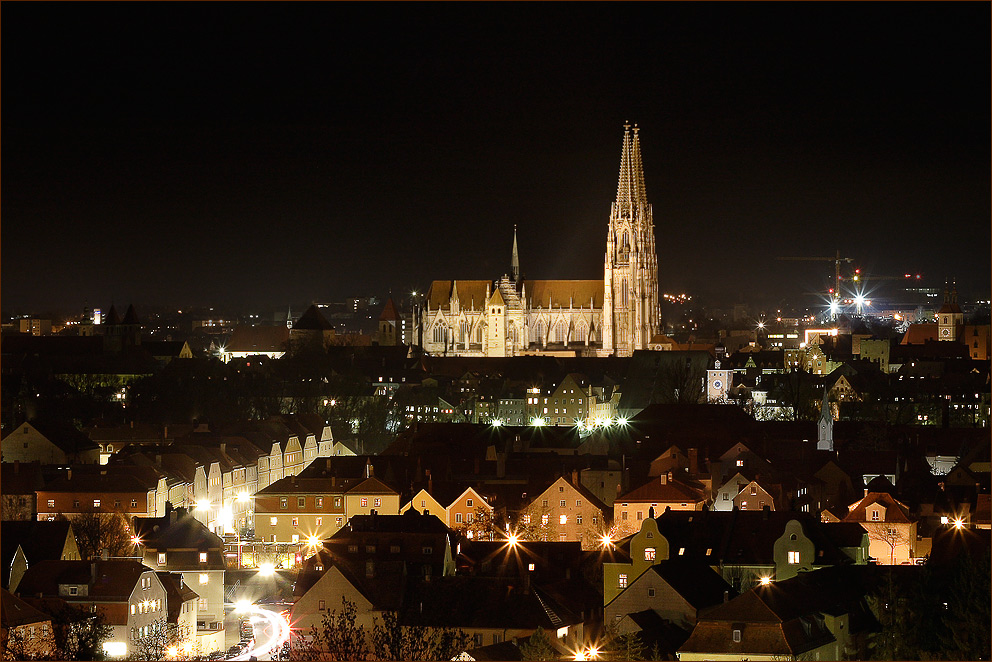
x=515 y=259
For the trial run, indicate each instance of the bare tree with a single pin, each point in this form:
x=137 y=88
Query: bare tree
x=97 y=531
x=892 y=536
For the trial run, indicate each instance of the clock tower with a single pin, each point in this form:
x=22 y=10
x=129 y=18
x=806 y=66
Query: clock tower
x=949 y=317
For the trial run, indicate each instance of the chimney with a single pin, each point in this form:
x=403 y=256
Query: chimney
x=334 y=481
x=866 y=490
x=223 y=447
x=693 y=461
x=575 y=476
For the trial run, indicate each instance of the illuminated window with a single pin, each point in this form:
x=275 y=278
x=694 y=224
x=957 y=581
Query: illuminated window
x=737 y=636
x=296 y=537
x=320 y=502
x=204 y=578
x=51 y=504
x=296 y=521
x=203 y=557
x=320 y=520
x=793 y=558
x=649 y=553
x=377 y=502
x=526 y=519
x=365 y=502
x=161 y=558
x=622 y=581
x=273 y=520
x=283 y=502
x=681 y=551
x=545 y=519
x=563 y=519
x=96 y=503
x=740 y=463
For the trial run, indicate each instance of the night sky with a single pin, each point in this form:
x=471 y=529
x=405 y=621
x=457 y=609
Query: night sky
x=257 y=155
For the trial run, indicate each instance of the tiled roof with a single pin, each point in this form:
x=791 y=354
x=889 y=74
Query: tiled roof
x=470 y=293
x=564 y=293
x=114 y=580
x=654 y=491
x=17 y=612
x=257 y=339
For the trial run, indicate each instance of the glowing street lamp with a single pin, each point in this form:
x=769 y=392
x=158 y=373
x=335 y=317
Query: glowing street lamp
x=621 y=420
x=958 y=523
x=606 y=541
x=537 y=422
x=765 y=581
x=241 y=606
x=266 y=570
x=497 y=422
x=593 y=653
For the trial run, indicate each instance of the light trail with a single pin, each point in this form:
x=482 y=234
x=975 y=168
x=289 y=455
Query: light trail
x=277 y=625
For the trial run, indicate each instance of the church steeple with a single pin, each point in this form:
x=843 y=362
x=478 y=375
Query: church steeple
x=515 y=259
x=630 y=303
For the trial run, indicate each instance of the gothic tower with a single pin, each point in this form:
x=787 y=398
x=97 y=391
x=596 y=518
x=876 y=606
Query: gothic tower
x=630 y=278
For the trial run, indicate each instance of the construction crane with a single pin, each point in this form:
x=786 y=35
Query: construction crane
x=835 y=293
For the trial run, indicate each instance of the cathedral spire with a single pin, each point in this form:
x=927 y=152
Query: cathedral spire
x=515 y=259
x=630 y=188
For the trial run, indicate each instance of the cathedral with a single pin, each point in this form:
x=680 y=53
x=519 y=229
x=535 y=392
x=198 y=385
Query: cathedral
x=516 y=317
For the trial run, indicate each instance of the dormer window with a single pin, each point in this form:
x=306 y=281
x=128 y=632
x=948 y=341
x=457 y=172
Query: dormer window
x=203 y=557
x=875 y=516
x=161 y=558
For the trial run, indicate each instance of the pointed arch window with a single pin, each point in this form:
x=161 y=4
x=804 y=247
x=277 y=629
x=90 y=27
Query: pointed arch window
x=440 y=332
x=560 y=332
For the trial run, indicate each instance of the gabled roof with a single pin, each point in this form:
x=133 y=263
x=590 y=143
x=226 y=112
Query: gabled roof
x=695 y=581
x=312 y=320
x=40 y=541
x=496 y=299
x=389 y=313
x=372 y=485
x=130 y=317
x=895 y=511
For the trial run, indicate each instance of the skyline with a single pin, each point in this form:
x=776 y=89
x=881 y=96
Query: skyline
x=199 y=155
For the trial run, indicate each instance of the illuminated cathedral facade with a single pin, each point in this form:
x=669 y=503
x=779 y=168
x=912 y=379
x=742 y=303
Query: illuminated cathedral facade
x=512 y=316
